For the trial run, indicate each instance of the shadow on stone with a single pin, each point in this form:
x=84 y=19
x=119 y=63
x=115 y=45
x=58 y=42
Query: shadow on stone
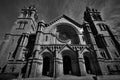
x=8 y=76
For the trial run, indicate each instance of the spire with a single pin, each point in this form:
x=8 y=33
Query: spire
x=32 y=7
x=41 y=22
x=29 y=12
x=91 y=10
x=41 y=25
x=88 y=9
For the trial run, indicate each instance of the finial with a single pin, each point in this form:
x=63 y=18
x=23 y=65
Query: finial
x=88 y=9
x=96 y=10
x=41 y=22
x=93 y=10
x=32 y=7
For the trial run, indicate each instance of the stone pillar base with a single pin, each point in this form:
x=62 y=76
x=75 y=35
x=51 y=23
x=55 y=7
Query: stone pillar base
x=82 y=67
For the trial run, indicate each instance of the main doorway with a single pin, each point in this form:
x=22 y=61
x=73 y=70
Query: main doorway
x=67 y=67
x=88 y=65
x=46 y=66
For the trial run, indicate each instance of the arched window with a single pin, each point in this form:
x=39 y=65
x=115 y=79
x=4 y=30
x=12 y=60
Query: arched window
x=99 y=17
x=66 y=33
x=108 y=67
x=46 y=38
x=94 y=16
x=102 y=26
x=103 y=55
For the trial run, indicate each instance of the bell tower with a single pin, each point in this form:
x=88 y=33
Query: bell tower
x=103 y=37
x=14 y=50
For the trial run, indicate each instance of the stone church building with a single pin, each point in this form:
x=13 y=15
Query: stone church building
x=60 y=49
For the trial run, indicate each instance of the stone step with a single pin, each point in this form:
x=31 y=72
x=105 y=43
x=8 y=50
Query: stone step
x=40 y=78
x=71 y=77
x=65 y=77
x=109 y=77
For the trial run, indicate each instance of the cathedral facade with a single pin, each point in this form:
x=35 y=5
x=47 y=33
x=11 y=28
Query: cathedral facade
x=60 y=48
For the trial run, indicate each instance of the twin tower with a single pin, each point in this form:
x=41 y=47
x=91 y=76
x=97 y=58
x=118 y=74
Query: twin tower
x=62 y=47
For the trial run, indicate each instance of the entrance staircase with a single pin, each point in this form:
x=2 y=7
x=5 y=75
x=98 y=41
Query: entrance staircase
x=71 y=77
x=65 y=77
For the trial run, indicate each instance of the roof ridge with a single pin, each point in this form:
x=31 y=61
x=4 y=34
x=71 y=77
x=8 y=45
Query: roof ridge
x=66 y=17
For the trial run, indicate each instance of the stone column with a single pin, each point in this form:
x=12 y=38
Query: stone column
x=103 y=67
x=22 y=46
x=27 y=69
x=82 y=66
x=59 y=65
x=33 y=65
x=39 y=68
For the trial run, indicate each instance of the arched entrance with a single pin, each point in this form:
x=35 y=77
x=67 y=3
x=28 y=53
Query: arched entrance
x=46 y=66
x=67 y=67
x=70 y=63
x=91 y=63
x=88 y=65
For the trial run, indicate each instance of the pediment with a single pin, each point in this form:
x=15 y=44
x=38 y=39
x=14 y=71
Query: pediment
x=45 y=50
x=66 y=47
x=85 y=49
x=64 y=19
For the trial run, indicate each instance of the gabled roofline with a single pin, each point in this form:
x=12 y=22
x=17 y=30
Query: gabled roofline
x=66 y=45
x=66 y=17
x=45 y=49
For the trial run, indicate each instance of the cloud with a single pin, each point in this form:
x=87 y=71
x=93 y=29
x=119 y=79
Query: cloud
x=112 y=14
x=50 y=9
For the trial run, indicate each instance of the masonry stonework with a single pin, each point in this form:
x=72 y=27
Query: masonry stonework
x=60 y=48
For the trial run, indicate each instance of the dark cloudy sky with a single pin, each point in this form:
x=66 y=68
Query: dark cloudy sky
x=50 y=9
